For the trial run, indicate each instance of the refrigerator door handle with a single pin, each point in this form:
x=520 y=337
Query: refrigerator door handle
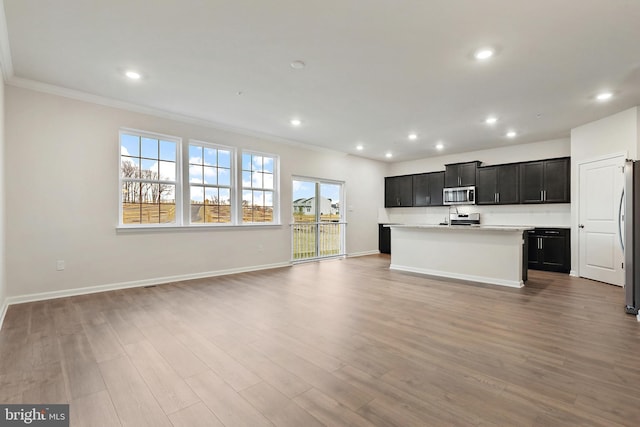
x=620 y=213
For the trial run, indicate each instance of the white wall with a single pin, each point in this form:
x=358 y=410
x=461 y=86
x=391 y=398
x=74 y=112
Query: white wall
x=551 y=215
x=3 y=281
x=62 y=200
x=616 y=134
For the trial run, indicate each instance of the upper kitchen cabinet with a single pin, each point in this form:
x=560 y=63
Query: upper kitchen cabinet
x=545 y=181
x=427 y=189
x=398 y=191
x=498 y=185
x=460 y=174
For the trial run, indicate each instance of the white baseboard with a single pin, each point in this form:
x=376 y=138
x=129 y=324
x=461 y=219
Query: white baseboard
x=136 y=284
x=365 y=253
x=573 y=273
x=470 y=278
x=3 y=310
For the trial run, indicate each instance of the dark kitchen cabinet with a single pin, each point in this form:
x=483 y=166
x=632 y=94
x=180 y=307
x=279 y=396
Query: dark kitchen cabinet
x=384 y=239
x=398 y=191
x=545 y=181
x=497 y=185
x=427 y=189
x=549 y=249
x=460 y=174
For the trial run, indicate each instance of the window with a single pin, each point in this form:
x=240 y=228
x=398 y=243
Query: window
x=210 y=174
x=148 y=178
x=164 y=183
x=258 y=187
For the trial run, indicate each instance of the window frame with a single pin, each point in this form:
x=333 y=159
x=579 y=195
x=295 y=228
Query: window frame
x=232 y=184
x=177 y=182
x=182 y=186
x=276 y=188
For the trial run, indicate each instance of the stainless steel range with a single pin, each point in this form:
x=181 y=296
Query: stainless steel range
x=464 y=219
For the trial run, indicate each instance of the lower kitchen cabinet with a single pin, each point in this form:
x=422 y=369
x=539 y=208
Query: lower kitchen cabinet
x=550 y=249
x=384 y=239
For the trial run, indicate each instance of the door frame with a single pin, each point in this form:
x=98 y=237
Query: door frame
x=342 y=221
x=575 y=249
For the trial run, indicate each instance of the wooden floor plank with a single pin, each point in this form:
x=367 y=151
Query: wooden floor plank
x=132 y=399
x=197 y=415
x=171 y=391
x=336 y=342
x=231 y=408
x=279 y=409
x=94 y=410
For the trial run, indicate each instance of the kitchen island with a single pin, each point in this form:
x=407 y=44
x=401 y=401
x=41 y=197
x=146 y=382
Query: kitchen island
x=486 y=254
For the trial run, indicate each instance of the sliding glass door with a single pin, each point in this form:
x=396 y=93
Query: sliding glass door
x=318 y=227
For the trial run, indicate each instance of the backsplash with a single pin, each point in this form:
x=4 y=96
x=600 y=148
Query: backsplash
x=543 y=215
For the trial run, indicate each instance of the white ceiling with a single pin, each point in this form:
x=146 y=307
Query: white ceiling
x=376 y=70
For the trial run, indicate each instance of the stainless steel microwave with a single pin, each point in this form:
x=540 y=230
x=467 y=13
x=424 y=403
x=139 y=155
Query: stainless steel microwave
x=459 y=196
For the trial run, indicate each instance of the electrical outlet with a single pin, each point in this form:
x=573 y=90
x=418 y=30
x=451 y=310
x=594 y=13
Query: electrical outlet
x=60 y=265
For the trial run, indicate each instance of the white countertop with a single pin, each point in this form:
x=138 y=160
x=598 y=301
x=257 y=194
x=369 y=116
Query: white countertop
x=519 y=228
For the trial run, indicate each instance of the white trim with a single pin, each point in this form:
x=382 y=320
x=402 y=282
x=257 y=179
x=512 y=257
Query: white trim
x=573 y=273
x=3 y=311
x=6 y=62
x=467 y=277
x=138 y=283
x=603 y=157
x=122 y=105
x=194 y=227
x=363 y=253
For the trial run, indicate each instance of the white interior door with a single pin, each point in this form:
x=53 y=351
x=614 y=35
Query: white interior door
x=601 y=256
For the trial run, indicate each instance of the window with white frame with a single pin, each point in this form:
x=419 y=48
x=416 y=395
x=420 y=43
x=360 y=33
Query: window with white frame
x=149 y=178
x=210 y=178
x=166 y=183
x=259 y=178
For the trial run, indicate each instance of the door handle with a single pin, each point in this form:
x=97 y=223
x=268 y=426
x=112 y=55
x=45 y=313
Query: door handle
x=581 y=226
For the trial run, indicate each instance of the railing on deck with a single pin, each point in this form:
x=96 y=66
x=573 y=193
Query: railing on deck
x=317 y=239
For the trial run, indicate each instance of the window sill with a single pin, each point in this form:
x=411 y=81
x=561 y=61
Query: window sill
x=190 y=228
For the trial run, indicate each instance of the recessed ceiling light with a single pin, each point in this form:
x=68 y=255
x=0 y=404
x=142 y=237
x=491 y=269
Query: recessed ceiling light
x=604 y=96
x=359 y=147
x=296 y=122
x=298 y=65
x=439 y=146
x=484 y=53
x=511 y=134
x=133 y=75
x=413 y=136
x=491 y=120
x=388 y=155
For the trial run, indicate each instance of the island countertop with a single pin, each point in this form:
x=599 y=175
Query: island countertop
x=509 y=228
x=478 y=253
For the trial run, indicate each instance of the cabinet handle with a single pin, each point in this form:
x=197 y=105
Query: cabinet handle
x=498 y=195
x=551 y=232
x=539 y=242
x=545 y=195
x=541 y=196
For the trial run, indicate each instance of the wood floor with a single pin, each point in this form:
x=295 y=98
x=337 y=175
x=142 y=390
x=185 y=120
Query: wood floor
x=343 y=342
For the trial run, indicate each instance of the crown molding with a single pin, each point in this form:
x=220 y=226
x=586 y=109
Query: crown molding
x=6 y=64
x=136 y=108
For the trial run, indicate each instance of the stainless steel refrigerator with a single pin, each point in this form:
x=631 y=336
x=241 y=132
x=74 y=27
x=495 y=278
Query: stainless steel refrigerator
x=629 y=227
